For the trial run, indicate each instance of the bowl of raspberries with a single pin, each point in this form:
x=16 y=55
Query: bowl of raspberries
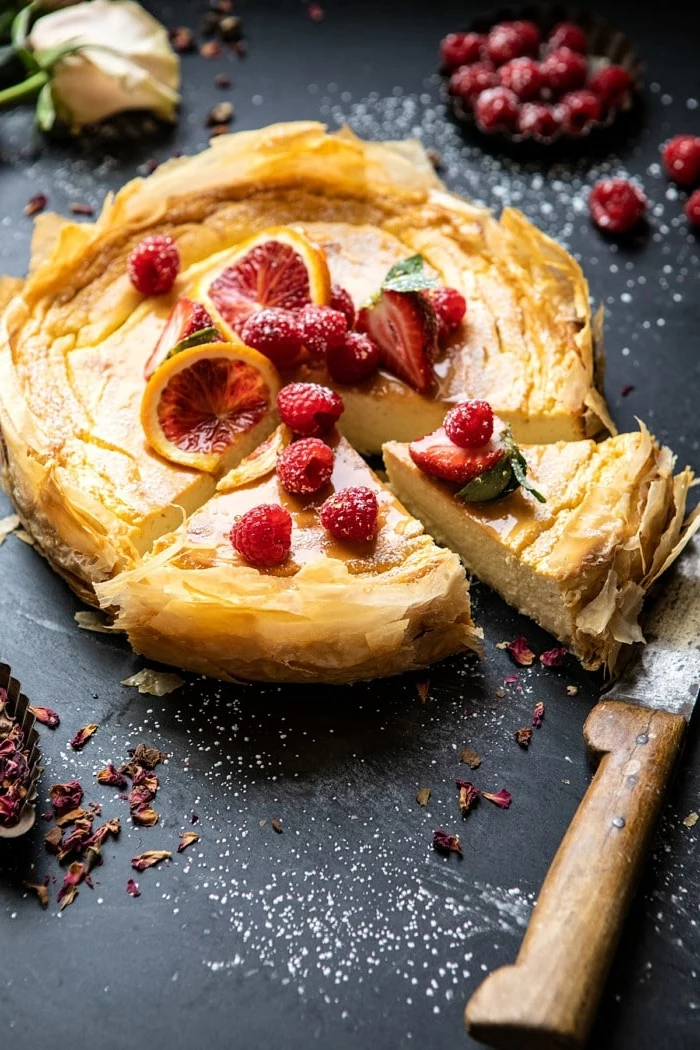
x=540 y=75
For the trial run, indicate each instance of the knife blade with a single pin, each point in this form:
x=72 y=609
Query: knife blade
x=548 y=999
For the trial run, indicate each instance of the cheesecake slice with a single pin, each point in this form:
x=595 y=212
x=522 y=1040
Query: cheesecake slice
x=579 y=563
x=331 y=612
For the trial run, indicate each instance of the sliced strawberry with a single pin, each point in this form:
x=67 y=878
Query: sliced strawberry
x=186 y=319
x=435 y=454
x=404 y=327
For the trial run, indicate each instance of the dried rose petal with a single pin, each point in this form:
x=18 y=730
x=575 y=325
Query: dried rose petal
x=276 y=825
x=46 y=716
x=53 y=839
x=67 y=796
x=64 y=819
x=145 y=816
x=36 y=204
x=111 y=827
x=315 y=12
x=77 y=840
x=83 y=735
x=149 y=858
x=510 y=679
x=470 y=758
x=523 y=737
x=194 y=819
x=78 y=208
x=111 y=776
x=444 y=843
x=222 y=81
x=69 y=890
x=148 y=757
x=538 y=714
x=423 y=796
x=182 y=39
x=521 y=651
x=553 y=657
x=502 y=798
x=140 y=796
x=41 y=892
x=468 y=796
x=423 y=688
x=626 y=390
x=188 y=838
x=133 y=888
x=10 y=810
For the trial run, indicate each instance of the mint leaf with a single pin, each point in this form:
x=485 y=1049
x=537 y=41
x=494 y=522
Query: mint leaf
x=408 y=276
x=518 y=464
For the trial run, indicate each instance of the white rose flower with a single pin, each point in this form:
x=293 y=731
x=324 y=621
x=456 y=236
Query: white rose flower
x=123 y=61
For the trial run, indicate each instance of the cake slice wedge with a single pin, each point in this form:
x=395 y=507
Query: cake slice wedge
x=579 y=563
x=331 y=612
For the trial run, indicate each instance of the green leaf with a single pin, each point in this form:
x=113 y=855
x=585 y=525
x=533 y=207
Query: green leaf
x=408 y=276
x=519 y=465
x=45 y=111
x=204 y=335
x=497 y=481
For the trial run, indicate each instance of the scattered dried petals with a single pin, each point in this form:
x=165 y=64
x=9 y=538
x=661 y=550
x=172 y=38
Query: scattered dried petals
x=553 y=657
x=46 y=716
x=691 y=820
x=133 y=888
x=627 y=389
x=145 y=816
x=92 y=621
x=155 y=683
x=78 y=208
x=520 y=651
x=149 y=858
x=500 y=798
x=221 y=113
x=69 y=890
x=83 y=735
x=276 y=825
x=315 y=12
x=423 y=688
x=523 y=737
x=470 y=758
x=572 y=690
x=502 y=645
x=147 y=756
x=212 y=49
x=468 y=796
x=78 y=839
x=71 y=816
x=423 y=796
x=510 y=679
x=538 y=714
x=111 y=776
x=52 y=839
x=189 y=838
x=8 y=525
x=221 y=80
x=36 y=204
x=182 y=39
x=500 y=693
x=41 y=892
x=111 y=827
x=444 y=843
x=64 y=797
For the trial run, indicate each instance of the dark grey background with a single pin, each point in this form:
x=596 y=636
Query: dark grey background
x=347 y=930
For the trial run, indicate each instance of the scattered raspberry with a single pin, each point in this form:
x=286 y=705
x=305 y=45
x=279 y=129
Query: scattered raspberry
x=616 y=205
x=321 y=328
x=342 y=300
x=154 y=264
x=568 y=34
x=612 y=85
x=450 y=307
x=470 y=424
x=356 y=359
x=692 y=208
x=351 y=514
x=579 y=109
x=538 y=119
x=274 y=332
x=305 y=466
x=564 y=70
x=681 y=159
x=509 y=40
x=469 y=81
x=523 y=77
x=263 y=535
x=461 y=49
x=496 y=108
x=308 y=408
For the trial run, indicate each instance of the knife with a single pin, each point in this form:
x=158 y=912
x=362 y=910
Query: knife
x=548 y=999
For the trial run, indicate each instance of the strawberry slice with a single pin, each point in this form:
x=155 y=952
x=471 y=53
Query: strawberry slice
x=435 y=454
x=188 y=323
x=404 y=327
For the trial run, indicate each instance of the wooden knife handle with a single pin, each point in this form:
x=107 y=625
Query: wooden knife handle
x=548 y=999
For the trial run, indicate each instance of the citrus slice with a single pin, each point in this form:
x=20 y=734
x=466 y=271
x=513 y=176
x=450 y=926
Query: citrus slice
x=277 y=267
x=209 y=406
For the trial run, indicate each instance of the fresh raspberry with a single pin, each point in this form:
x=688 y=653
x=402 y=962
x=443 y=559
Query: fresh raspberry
x=154 y=264
x=461 y=49
x=616 y=205
x=308 y=408
x=522 y=76
x=469 y=81
x=538 y=119
x=692 y=208
x=450 y=307
x=568 y=34
x=564 y=70
x=321 y=328
x=509 y=40
x=305 y=466
x=579 y=109
x=351 y=514
x=470 y=424
x=496 y=108
x=356 y=359
x=263 y=535
x=274 y=332
x=681 y=159
x=612 y=84
x=342 y=300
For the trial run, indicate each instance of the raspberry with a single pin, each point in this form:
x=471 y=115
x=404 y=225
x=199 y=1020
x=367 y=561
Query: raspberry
x=681 y=159
x=154 y=264
x=305 y=466
x=357 y=358
x=470 y=424
x=342 y=300
x=568 y=34
x=321 y=328
x=612 y=85
x=616 y=205
x=522 y=76
x=469 y=81
x=309 y=409
x=579 y=109
x=461 y=49
x=692 y=208
x=275 y=332
x=538 y=119
x=564 y=70
x=351 y=514
x=263 y=535
x=450 y=307
x=496 y=108
x=509 y=40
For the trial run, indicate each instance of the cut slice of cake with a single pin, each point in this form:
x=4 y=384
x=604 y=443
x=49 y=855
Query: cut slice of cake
x=579 y=563
x=331 y=611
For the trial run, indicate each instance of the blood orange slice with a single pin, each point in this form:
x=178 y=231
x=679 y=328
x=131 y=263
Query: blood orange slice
x=278 y=267
x=188 y=325
x=209 y=406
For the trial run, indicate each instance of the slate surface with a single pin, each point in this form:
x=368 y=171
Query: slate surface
x=346 y=930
